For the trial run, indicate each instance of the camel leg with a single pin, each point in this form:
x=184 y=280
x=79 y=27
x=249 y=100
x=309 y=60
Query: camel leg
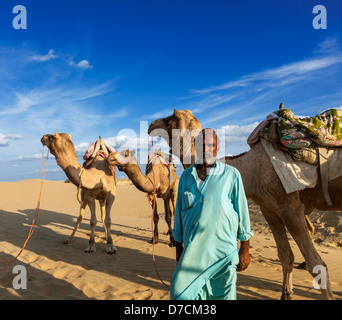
x=103 y=213
x=173 y=198
x=110 y=249
x=155 y=222
x=296 y=224
x=310 y=226
x=79 y=220
x=168 y=219
x=91 y=248
x=285 y=253
x=311 y=229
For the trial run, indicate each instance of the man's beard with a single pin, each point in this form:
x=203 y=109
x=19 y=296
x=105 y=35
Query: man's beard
x=208 y=158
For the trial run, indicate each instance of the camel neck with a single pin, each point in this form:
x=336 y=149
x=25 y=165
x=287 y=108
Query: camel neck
x=142 y=182
x=71 y=168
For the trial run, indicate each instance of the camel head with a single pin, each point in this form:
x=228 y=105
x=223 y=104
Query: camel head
x=122 y=159
x=180 y=119
x=58 y=143
x=174 y=129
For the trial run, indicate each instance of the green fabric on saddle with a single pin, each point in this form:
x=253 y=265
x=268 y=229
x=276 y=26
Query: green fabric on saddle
x=324 y=129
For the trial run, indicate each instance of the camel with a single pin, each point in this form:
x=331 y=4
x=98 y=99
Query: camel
x=97 y=183
x=164 y=186
x=262 y=185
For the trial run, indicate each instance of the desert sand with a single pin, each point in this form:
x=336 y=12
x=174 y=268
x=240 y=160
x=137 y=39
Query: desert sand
x=59 y=271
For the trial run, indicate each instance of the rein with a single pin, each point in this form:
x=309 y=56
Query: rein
x=152 y=224
x=35 y=218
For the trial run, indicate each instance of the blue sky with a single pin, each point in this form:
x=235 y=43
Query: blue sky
x=93 y=68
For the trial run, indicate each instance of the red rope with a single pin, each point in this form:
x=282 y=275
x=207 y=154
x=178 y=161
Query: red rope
x=35 y=218
x=152 y=224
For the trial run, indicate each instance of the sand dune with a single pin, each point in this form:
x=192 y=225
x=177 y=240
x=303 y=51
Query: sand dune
x=59 y=271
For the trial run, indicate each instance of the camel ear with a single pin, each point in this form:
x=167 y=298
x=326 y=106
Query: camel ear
x=57 y=134
x=69 y=136
x=133 y=152
x=176 y=113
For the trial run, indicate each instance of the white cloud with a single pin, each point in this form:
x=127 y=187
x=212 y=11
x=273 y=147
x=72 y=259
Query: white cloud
x=235 y=133
x=51 y=55
x=47 y=170
x=47 y=57
x=28 y=157
x=5 y=139
x=234 y=130
x=83 y=64
x=82 y=147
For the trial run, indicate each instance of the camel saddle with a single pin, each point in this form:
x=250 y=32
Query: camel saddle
x=155 y=158
x=98 y=147
x=308 y=139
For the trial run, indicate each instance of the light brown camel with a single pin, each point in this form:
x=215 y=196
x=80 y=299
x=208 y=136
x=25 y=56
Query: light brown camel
x=165 y=187
x=282 y=211
x=97 y=183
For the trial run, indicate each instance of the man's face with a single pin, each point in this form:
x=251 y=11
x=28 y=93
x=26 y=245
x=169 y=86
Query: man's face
x=209 y=149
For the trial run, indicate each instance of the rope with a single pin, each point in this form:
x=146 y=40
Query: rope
x=35 y=218
x=152 y=224
x=79 y=186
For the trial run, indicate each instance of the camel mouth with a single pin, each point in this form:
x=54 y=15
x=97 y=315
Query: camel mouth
x=154 y=126
x=45 y=139
x=150 y=128
x=112 y=159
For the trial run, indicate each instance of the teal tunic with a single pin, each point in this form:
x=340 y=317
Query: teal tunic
x=209 y=221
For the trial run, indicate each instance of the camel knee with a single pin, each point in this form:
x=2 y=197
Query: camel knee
x=287 y=258
x=93 y=222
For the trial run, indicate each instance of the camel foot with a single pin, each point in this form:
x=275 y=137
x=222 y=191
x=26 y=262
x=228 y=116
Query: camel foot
x=90 y=249
x=155 y=240
x=286 y=295
x=68 y=241
x=303 y=266
x=111 y=249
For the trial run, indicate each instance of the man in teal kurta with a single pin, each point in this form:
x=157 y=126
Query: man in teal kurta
x=211 y=216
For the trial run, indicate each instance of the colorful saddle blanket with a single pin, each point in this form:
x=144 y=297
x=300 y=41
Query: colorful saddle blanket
x=325 y=129
x=305 y=139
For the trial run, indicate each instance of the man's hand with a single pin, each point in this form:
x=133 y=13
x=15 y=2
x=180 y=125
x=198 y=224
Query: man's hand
x=244 y=256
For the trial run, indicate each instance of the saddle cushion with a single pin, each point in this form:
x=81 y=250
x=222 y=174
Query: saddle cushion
x=325 y=129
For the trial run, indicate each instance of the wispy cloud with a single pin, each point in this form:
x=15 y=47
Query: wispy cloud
x=56 y=96
x=28 y=157
x=42 y=58
x=252 y=93
x=67 y=58
x=5 y=139
x=284 y=74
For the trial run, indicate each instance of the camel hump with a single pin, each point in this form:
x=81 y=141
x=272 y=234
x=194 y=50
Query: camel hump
x=98 y=147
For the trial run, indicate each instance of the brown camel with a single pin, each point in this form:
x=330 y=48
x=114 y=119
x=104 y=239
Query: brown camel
x=282 y=211
x=97 y=183
x=164 y=186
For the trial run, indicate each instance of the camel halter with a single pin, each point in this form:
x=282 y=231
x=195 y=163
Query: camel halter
x=152 y=224
x=35 y=218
